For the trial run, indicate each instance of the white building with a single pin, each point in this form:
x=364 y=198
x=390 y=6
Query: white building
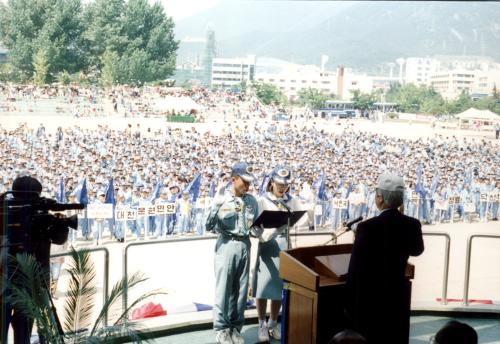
x=450 y=84
x=232 y=71
x=294 y=78
x=290 y=78
x=418 y=70
x=452 y=75
x=476 y=83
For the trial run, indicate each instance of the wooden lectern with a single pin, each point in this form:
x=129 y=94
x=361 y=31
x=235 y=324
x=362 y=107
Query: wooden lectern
x=315 y=282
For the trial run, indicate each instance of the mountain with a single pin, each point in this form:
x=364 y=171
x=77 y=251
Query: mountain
x=362 y=35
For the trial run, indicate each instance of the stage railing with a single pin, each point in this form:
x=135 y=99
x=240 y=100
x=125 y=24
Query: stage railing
x=446 y=269
x=105 y=287
x=126 y=249
x=468 y=261
x=444 y=288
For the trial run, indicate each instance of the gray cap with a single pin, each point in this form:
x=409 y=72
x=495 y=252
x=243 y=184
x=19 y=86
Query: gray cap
x=390 y=182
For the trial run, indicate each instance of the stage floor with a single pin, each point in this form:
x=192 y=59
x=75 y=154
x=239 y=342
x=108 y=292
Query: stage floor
x=422 y=328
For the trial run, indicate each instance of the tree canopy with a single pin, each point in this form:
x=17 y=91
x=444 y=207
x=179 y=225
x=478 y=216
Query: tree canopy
x=268 y=93
x=111 y=41
x=423 y=99
x=313 y=98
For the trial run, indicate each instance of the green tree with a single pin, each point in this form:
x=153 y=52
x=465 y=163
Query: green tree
x=313 y=98
x=462 y=103
x=268 y=93
x=108 y=73
x=140 y=35
x=490 y=103
x=8 y=72
x=495 y=92
x=362 y=101
x=76 y=37
x=41 y=67
x=411 y=98
x=26 y=27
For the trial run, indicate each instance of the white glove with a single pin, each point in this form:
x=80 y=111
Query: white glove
x=219 y=197
x=269 y=234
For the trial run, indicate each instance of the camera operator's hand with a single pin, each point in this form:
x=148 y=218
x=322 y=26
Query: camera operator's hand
x=59 y=215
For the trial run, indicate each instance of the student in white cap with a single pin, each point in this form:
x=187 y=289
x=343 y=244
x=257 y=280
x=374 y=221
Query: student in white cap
x=98 y=227
x=267 y=284
x=376 y=276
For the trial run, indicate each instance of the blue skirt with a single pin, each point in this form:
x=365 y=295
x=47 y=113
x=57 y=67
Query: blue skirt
x=267 y=283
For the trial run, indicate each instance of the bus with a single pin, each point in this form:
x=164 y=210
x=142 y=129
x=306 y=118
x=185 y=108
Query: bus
x=337 y=108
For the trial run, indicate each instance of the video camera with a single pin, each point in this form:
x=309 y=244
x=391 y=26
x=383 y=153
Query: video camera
x=17 y=205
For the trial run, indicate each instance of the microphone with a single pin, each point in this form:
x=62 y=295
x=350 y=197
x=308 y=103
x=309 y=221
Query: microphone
x=348 y=228
x=350 y=223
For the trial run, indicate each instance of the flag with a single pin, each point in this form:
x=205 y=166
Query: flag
x=321 y=195
x=60 y=191
x=82 y=198
x=468 y=176
x=110 y=199
x=110 y=193
x=419 y=173
x=194 y=188
x=81 y=192
x=211 y=189
x=435 y=181
x=317 y=182
x=156 y=192
x=419 y=187
x=263 y=185
x=349 y=189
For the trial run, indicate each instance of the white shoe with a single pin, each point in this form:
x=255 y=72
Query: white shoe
x=263 y=333
x=275 y=332
x=236 y=337
x=223 y=337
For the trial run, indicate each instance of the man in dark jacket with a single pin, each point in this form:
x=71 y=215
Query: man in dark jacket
x=27 y=233
x=377 y=292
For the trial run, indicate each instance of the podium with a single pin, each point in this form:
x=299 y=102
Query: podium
x=315 y=292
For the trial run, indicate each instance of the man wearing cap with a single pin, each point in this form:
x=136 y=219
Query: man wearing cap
x=231 y=215
x=376 y=275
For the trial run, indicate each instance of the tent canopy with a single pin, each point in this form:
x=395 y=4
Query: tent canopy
x=472 y=113
x=169 y=103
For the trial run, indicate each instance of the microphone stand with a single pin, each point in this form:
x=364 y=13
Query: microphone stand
x=335 y=236
x=289 y=213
